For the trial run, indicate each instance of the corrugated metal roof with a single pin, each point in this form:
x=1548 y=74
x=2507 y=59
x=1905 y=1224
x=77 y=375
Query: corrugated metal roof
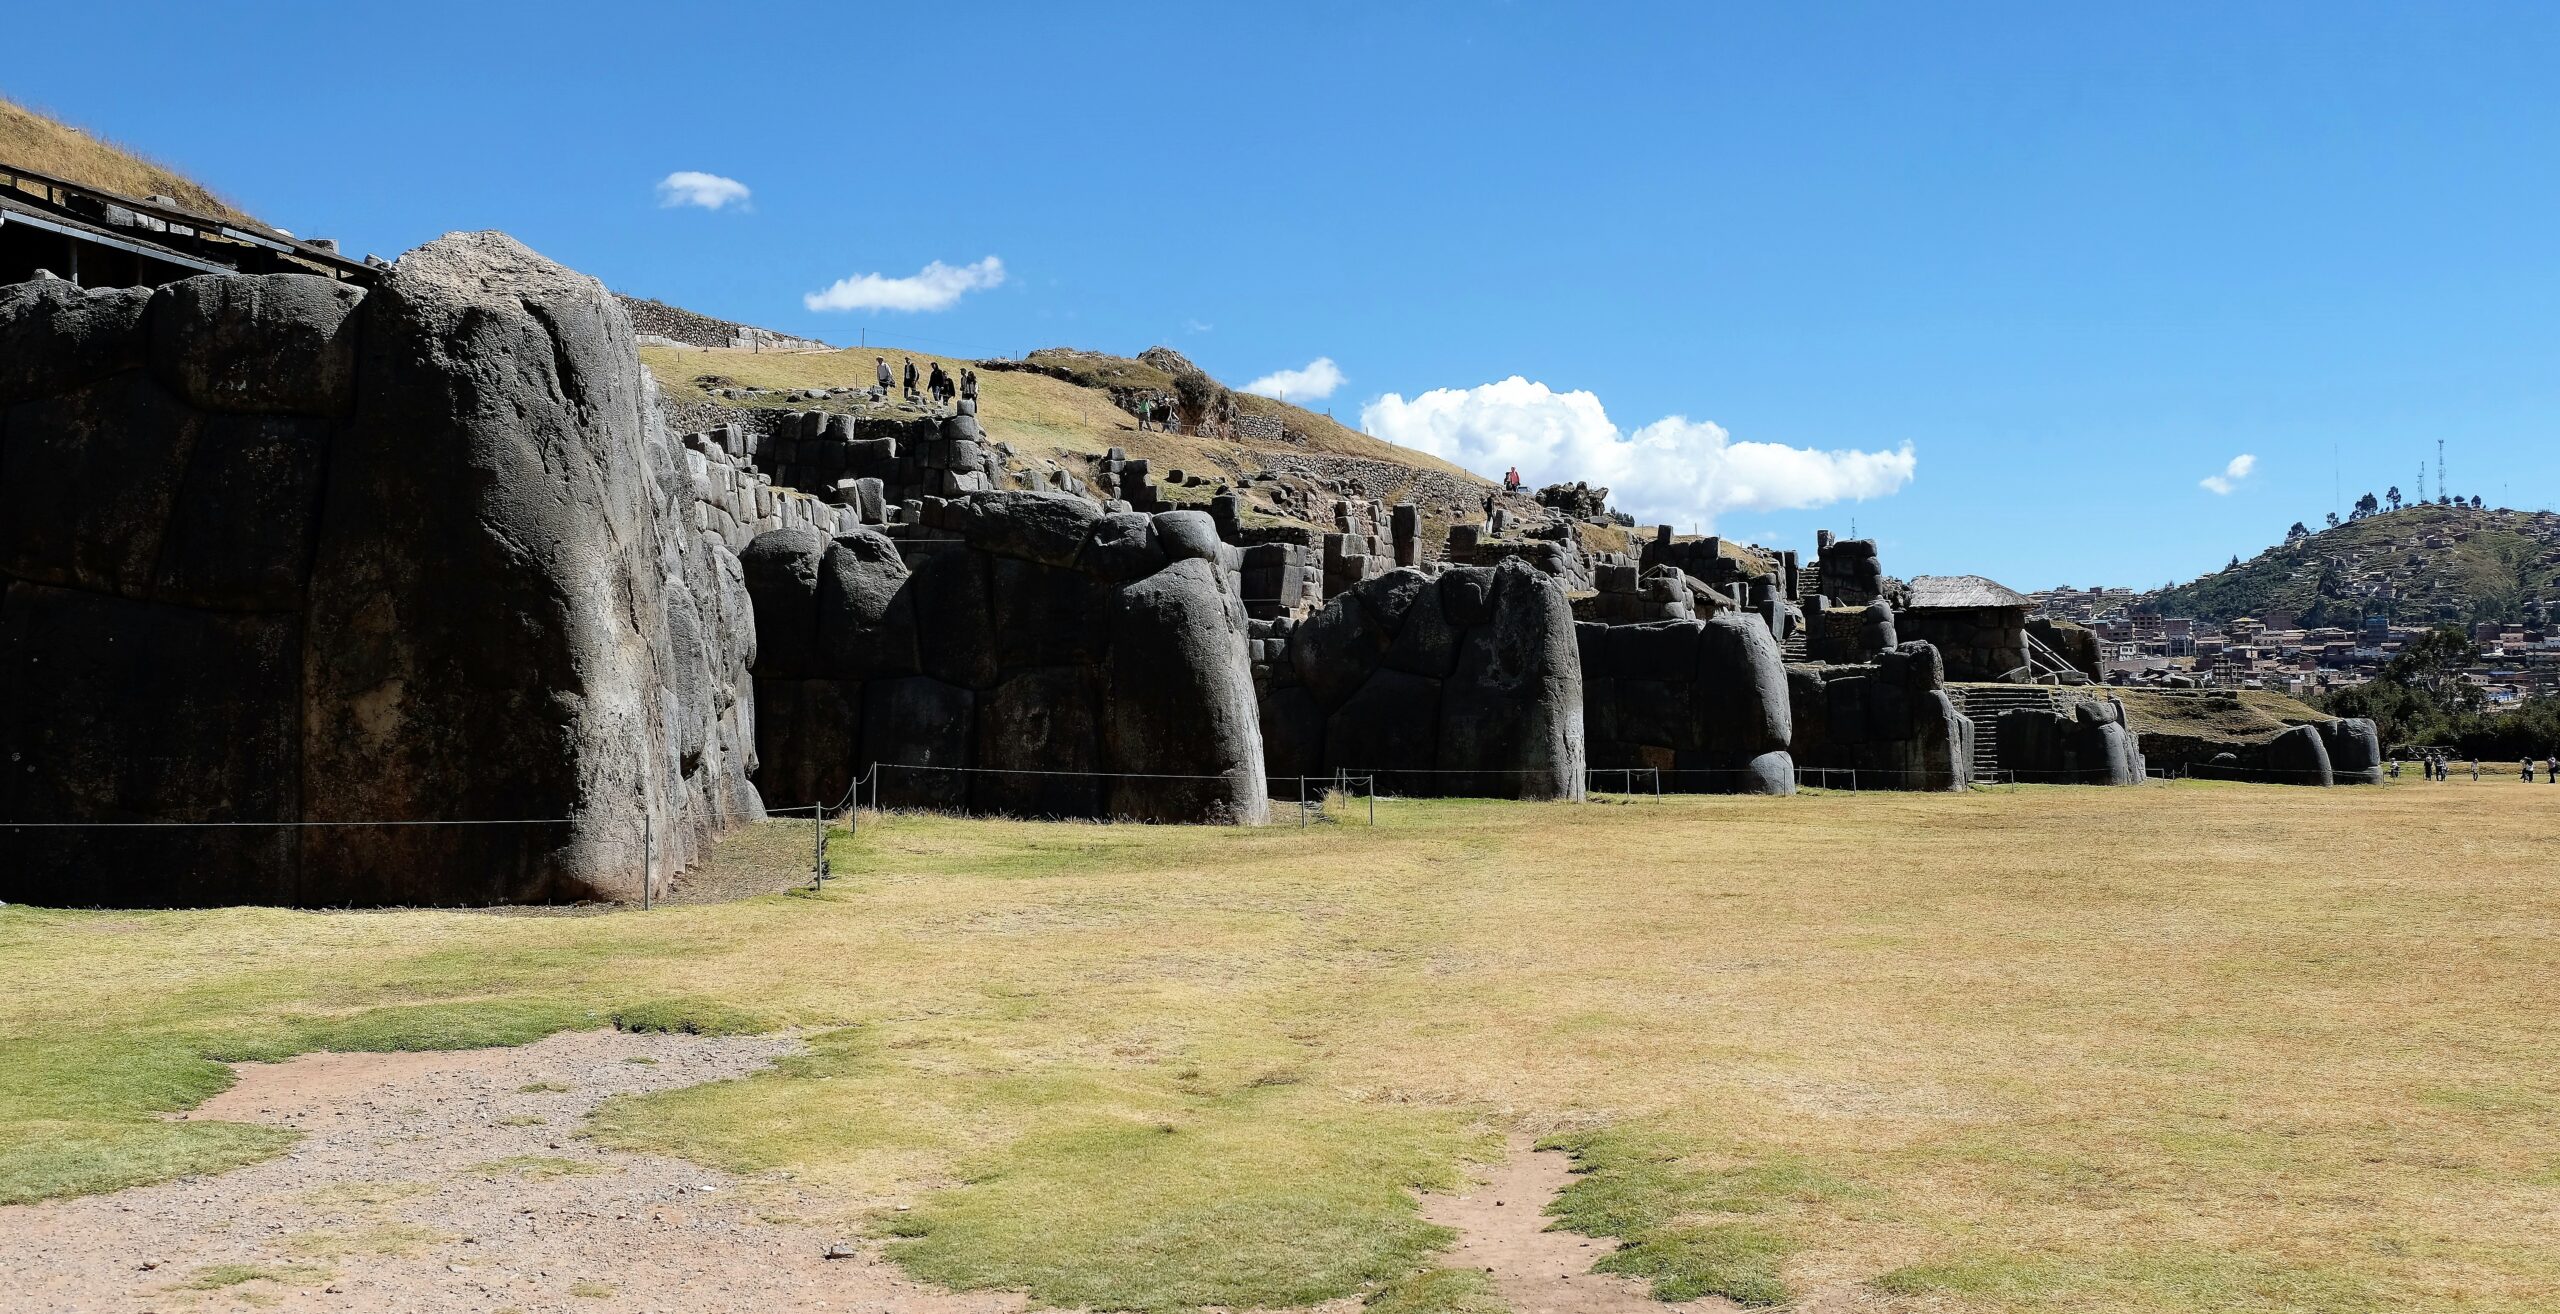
x=1961 y=591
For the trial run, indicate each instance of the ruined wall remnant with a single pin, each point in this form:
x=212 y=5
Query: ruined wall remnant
x=1882 y=724
x=1020 y=653
x=2080 y=740
x=277 y=549
x=1462 y=684
x=1703 y=703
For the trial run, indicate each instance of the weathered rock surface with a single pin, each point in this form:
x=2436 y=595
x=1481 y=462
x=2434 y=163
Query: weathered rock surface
x=1703 y=705
x=1883 y=724
x=422 y=553
x=1019 y=653
x=1463 y=684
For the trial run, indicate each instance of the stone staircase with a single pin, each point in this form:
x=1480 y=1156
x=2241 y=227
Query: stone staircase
x=1797 y=647
x=1983 y=704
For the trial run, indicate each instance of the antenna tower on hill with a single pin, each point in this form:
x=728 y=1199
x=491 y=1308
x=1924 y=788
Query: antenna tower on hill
x=2440 y=467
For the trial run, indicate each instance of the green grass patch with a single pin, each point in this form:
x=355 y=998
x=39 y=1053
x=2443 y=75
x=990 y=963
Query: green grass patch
x=1080 y=1185
x=401 y=1239
x=221 y=1277
x=541 y=1088
x=1649 y=1191
x=690 y=1016
x=1439 y=1291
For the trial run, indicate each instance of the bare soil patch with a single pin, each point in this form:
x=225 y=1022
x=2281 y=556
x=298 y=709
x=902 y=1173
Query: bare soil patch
x=456 y=1181
x=1501 y=1221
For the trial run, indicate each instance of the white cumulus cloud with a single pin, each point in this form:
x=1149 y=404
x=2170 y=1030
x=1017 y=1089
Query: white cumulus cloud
x=1314 y=383
x=1673 y=471
x=2221 y=484
x=934 y=287
x=708 y=190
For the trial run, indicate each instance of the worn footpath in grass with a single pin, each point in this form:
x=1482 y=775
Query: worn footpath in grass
x=2201 y=1046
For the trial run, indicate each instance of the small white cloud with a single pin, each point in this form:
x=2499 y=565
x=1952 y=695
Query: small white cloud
x=1672 y=471
x=2221 y=484
x=1314 y=383
x=1198 y=326
x=934 y=287
x=707 y=190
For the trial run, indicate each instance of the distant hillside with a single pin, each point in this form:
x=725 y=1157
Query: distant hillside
x=33 y=141
x=2420 y=564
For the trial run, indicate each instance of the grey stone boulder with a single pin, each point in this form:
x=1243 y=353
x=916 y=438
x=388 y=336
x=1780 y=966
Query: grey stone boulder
x=92 y=478
x=485 y=606
x=1123 y=547
x=2297 y=756
x=1187 y=535
x=920 y=732
x=1049 y=528
x=1035 y=731
x=780 y=569
x=57 y=338
x=2355 y=750
x=1511 y=714
x=1184 y=736
x=239 y=536
x=866 y=617
x=277 y=344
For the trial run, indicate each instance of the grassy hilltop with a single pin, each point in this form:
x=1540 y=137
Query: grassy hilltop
x=34 y=141
x=2491 y=562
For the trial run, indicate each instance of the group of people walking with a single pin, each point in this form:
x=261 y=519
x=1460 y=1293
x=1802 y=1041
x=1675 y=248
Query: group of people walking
x=939 y=385
x=2439 y=766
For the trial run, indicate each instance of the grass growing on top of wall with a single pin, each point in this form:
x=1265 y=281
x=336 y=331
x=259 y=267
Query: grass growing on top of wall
x=2178 y=1047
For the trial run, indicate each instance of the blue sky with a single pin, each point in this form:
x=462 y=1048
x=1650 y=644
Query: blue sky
x=2076 y=258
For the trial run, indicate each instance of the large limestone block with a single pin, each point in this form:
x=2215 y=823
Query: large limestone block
x=484 y=605
x=56 y=337
x=952 y=593
x=2355 y=750
x=1391 y=727
x=1511 y=714
x=1036 y=732
x=2298 y=756
x=781 y=569
x=124 y=711
x=920 y=731
x=1049 y=528
x=1741 y=701
x=1183 y=702
x=275 y=344
x=88 y=482
x=809 y=741
x=240 y=534
x=1047 y=616
x=866 y=614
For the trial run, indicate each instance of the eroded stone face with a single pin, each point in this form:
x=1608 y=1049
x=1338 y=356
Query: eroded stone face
x=422 y=552
x=1018 y=653
x=1467 y=683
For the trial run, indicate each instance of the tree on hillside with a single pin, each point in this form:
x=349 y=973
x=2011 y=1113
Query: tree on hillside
x=2393 y=497
x=2366 y=506
x=2333 y=520
x=2296 y=534
x=2475 y=502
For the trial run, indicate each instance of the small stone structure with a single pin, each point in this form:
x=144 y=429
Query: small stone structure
x=1849 y=635
x=1020 y=653
x=1979 y=627
x=1466 y=683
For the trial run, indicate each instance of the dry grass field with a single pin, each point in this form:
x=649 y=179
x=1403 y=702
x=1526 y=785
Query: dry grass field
x=2182 y=1047
x=33 y=141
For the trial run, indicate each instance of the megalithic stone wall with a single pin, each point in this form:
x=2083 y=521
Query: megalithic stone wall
x=278 y=549
x=1018 y=653
x=1882 y=724
x=1463 y=684
x=1702 y=704
x=2083 y=741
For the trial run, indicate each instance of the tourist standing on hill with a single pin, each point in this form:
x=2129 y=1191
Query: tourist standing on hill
x=880 y=369
x=910 y=377
x=2527 y=774
x=969 y=384
x=2551 y=770
x=2475 y=770
x=939 y=386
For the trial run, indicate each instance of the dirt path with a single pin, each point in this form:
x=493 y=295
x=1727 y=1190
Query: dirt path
x=453 y=1181
x=1502 y=1229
